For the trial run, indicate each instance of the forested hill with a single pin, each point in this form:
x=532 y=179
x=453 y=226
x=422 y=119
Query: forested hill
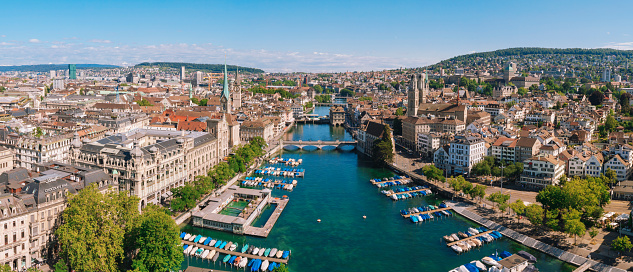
x=552 y=55
x=48 y=67
x=213 y=68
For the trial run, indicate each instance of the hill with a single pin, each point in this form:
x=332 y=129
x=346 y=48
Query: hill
x=212 y=68
x=48 y=67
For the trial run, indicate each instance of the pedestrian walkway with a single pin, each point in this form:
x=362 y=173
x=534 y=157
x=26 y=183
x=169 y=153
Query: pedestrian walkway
x=462 y=209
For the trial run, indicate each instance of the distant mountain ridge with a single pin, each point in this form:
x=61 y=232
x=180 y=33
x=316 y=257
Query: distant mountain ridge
x=48 y=67
x=213 y=68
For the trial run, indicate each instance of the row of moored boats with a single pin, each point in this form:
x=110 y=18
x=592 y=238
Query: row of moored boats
x=491 y=263
x=415 y=217
x=288 y=162
x=288 y=185
x=465 y=243
x=230 y=246
x=407 y=192
x=392 y=181
x=283 y=172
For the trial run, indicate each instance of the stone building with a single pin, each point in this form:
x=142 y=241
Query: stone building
x=337 y=116
x=14 y=237
x=148 y=163
x=29 y=151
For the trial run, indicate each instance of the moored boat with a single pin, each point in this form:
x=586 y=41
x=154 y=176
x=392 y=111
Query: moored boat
x=454 y=236
x=243 y=262
x=279 y=254
x=187 y=236
x=204 y=254
x=272 y=252
x=216 y=256
x=237 y=260
x=211 y=254
x=266 y=252
x=227 y=258
x=527 y=256
x=244 y=248
x=264 y=266
x=193 y=251
x=489 y=261
x=228 y=245
x=448 y=238
x=261 y=252
x=255 y=251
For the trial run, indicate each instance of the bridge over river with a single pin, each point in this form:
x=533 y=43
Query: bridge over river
x=319 y=144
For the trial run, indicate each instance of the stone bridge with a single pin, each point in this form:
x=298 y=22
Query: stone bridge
x=319 y=144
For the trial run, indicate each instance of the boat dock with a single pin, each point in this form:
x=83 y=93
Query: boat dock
x=236 y=253
x=386 y=183
x=265 y=230
x=469 y=238
x=426 y=212
x=412 y=191
x=264 y=183
x=199 y=269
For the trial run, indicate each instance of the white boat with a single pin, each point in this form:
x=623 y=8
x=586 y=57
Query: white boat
x=261 y=251
x=204 y=254
x=243 y=262
x=233 y=247
x=188 y=249
x=193 y=237
x=457 y=249
x=472 y=243
x=264 y=266
x=279 y=254
x=473 y=231
x=477 y=242
x=489 y=261
x=394 y=197
x=272 y=252
x=211 y=254
x=255 y=251
x=212 y=243
x=479 y=265
x=187 y=236
x=193 y=251
x=202 y=240
x=454 y=236
x=493 y=269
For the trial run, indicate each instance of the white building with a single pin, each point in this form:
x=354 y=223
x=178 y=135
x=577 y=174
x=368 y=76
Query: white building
x=428 y=142
x=621 y=167
x=464 y=153
x=538 y=172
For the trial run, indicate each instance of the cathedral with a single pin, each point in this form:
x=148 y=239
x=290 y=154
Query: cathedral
x=417 y=93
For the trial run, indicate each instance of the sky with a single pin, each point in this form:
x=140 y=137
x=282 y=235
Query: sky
x=300 y=36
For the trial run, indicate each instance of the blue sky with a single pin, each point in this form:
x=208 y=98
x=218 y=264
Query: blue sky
x=315 y=36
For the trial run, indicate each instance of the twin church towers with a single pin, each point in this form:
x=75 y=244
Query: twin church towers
x=417 y=93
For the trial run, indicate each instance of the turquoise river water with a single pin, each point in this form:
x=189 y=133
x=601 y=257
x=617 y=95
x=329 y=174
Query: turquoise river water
x=337 y=190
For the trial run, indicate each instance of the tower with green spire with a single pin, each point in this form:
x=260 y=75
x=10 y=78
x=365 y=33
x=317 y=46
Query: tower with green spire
x=226 y=93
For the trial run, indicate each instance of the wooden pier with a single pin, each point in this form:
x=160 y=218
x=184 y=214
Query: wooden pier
x=426 y=212
x=468 y=238
x=265 y=230
x=381 y=182
x=236 y=253
x=412 y=191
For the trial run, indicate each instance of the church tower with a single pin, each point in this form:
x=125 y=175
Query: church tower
x=423 y=87
x=237 y=91
x=413 y=97
x=225 y=99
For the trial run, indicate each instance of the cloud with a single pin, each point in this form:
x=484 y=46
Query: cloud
x=3 y=36
x=619 y=46
x=99 y=41
x=5 y=43
x=270 y=61
x=34 y=41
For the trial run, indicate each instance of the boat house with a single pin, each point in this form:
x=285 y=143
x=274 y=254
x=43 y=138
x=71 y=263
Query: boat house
x=218 y=213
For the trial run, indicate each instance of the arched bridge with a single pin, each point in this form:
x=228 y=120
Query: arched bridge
x=319 y=144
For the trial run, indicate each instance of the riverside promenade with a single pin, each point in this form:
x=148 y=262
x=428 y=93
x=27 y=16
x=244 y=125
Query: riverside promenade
x=462 y=209
x=270 y=223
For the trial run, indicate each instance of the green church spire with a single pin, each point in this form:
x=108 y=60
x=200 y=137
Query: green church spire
x=225 y=88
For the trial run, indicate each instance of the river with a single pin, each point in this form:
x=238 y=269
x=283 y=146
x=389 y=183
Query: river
x=336 y=190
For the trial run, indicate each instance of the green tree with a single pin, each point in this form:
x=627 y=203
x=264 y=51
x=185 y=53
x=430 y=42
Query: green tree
x=499 y=198
x=195 y=100
x=522 y=91
x=318 y=89
x=5 y=268
x=281 y=268
x=38 y=132
x=184 y=197
x=478 y=191
x=621 y=244
x=399 y=112
x=93 y=229
x=610 y=124
x=60 y=266
x=397 y=126
x=432 y=172
x=593 y=233
x=611 y=175
x=383 y=148
x=518 y=206
x=347 y=93
x=144 y=102
x=203 y=102
x=534 y=214
x=157 y=240
x=596 y=98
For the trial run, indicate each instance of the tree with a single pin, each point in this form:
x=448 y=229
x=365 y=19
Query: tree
x=621 y=244
x=347 y=93
x=593 y=233
x=38 y=132
x=157 y=240
x=184 y=198
x=5 y=268
x=281 y=268
x=575 y=227
x=518 y=207
x=397 y=126
x=399 y=112
x=596 y=98
x=93 y=229
x=432 y=172
x=478 y=191
x=610 y=124
x=60 y=266
x=534 y=214
x=383 y=147
x=144 y=102
x=611 y=175
x=318 y=89
x=499 y=198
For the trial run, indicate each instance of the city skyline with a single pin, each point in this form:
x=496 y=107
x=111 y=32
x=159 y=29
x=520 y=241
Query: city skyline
x=284 y=36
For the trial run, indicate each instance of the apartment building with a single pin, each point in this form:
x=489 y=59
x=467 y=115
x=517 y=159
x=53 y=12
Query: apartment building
x=540 y=171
